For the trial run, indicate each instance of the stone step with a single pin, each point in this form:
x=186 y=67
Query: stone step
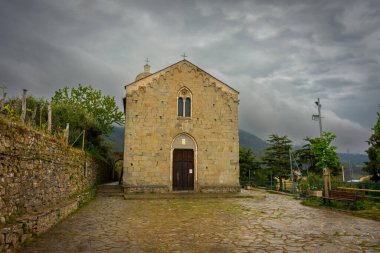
x=110 y=194
x=110 y=190
x=113 y=188
x=187 y=195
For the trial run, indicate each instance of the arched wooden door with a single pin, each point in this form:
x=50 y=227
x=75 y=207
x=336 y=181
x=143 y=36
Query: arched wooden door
x=183 y=169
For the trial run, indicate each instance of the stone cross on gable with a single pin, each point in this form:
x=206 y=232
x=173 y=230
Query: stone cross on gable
x=184 y=56
x=147 y=60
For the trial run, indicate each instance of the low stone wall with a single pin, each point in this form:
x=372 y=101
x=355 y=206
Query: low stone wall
x=165 y=189
x=146 y=188
x=42 y=180
x=220 y=189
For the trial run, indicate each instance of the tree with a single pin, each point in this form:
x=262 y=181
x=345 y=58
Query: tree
x=324 y=153
x=276 y=156
x=79 y=119
x=247 y=162
x=373 y=165
x=304 y=156
x=85 y=108
x=102 y=108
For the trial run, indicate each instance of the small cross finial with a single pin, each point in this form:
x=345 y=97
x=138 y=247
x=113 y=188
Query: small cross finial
x=184 y=56
x=146 y=60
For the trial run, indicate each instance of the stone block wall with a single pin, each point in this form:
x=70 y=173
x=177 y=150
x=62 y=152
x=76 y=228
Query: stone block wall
x=152 y=123
x=42 y=180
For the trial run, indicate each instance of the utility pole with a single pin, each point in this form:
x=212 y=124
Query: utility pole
x=318 y=116
x=326 y=171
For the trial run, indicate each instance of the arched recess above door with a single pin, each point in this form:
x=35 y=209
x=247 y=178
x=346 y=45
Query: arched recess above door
x=184 y=141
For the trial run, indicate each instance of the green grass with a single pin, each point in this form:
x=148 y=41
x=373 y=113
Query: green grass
x=363 y=208
x=11 y=219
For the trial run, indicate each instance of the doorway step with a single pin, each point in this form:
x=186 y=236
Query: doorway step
x=110 y=190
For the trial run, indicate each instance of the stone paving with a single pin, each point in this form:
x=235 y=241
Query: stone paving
x=265 y=223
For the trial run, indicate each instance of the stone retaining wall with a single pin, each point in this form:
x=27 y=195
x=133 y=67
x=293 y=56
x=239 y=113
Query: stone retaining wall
x=42 y=180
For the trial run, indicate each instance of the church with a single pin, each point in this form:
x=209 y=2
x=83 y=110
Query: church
x=181 y=132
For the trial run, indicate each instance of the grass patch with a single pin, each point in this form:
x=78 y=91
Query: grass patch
x=363 y=208
x=11 y=219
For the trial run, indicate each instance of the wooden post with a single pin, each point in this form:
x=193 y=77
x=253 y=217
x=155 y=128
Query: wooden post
x=41 y=107
x=66 y=133
x=23 y=107
x=326 y=182
x=329 y=179
x=32 y=121
x=84 y=133
x=2 y=100
x=49 y=117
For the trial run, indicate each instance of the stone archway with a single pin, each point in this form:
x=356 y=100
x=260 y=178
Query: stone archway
x=183 y=172
x=116 y=159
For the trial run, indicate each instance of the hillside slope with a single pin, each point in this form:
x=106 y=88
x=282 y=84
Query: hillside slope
x=247 y=140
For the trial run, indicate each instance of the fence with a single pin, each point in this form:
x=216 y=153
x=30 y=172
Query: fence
x=35 y=114
x=316 y=185
x=287 y=186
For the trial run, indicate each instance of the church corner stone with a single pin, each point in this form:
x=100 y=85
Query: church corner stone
x=181 y=132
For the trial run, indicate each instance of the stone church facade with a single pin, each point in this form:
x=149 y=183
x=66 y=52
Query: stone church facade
x=181 y=132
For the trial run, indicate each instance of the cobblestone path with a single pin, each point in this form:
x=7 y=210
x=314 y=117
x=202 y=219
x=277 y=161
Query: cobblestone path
x=266 y=223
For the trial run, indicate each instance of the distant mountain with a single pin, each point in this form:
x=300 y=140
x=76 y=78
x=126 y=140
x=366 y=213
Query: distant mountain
x=117 y=138
x=353 y=158
x=248 y=140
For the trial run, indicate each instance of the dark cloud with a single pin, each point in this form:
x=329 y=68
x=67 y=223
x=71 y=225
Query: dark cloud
x=281 y=55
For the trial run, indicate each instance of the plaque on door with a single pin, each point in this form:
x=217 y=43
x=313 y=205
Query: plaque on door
x=191 y=171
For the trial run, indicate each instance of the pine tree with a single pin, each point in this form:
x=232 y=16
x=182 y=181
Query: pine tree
x=373 y=165
x=276 y=156
x=247 y=162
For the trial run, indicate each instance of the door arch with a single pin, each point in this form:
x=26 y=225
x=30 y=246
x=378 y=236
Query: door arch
x=183 y=169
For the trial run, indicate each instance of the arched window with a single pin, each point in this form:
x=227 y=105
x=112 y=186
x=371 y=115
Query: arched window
x=184 y=103
x=180 y=106
x=188 y=107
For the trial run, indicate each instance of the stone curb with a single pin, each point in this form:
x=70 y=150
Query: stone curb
x=150 y=196
x=282 y=193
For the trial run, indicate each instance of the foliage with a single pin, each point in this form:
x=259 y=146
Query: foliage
x=315 y=181
x=10 y=112
x=102 y=108
x=36 y=113
x=247 y=162
x=304 y=156
x=303 y=186
x=312 y=201
x=318 y=154
x=73 y=108
x=79 y=120
x=362 y=185
x=363 y=207
x=373 y=165
x=276 y=156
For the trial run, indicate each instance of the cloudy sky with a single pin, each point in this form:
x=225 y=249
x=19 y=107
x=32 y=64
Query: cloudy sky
x=281 y=55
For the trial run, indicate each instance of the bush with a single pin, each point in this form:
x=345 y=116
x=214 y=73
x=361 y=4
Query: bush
x=303 y=186
x=315 y=181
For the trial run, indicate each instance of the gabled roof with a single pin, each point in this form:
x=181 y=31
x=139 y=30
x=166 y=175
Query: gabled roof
x=186 y=61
